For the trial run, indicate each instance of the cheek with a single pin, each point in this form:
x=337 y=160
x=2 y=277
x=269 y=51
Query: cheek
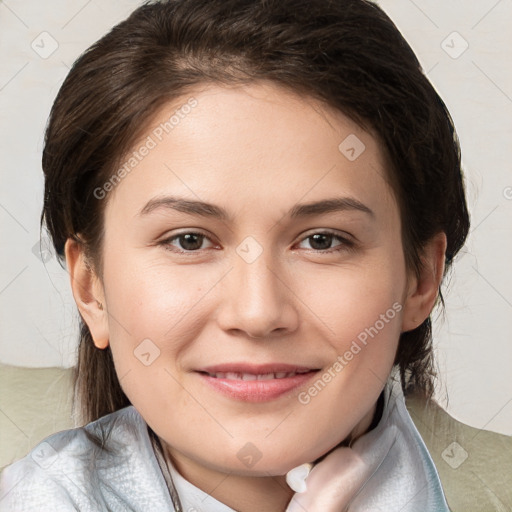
x=364 y=330
x=357 y=302
x=151 y=319
x=155 y=300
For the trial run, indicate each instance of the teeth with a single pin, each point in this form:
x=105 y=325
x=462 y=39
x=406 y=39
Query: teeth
x=251 y=376
x=266 y=376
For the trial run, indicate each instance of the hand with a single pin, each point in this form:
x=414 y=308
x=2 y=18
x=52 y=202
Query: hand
x=331 y=484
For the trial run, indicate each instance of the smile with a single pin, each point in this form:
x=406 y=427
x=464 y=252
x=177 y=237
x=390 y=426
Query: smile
x=255 y=383
x=252 y=376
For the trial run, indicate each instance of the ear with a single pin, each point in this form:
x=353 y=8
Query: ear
x=423 y=290
x=88 y=293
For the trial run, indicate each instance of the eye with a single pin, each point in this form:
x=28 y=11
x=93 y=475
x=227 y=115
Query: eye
x=192 y=242
x=322 y=242
x=187 y=242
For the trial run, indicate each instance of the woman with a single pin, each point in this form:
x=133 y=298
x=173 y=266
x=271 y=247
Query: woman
x=257 y=203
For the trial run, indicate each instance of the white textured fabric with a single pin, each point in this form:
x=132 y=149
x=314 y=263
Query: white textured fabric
x=68 y=472
x=405 y=478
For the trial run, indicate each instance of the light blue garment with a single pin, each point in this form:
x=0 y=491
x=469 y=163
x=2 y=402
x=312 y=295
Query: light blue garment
x=68 y=472
x=405 y=478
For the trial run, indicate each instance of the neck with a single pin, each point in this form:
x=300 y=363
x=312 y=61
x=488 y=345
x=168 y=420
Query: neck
x=241 y=493
x=245 y=493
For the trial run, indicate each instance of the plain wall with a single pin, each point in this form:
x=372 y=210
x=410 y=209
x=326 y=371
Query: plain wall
x=38 y=321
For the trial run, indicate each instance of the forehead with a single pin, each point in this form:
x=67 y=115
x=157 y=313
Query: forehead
x=251 y=145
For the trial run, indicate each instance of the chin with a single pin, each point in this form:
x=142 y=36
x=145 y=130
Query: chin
x=276 y=464
x=263 y=470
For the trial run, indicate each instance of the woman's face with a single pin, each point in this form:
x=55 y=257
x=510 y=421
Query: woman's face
x=253 y=278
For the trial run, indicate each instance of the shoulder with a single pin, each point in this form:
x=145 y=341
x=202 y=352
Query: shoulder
x=64 y=470
x=475 y=466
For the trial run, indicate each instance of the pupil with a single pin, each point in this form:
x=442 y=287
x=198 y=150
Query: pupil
x=191 y=241
x=319 y=237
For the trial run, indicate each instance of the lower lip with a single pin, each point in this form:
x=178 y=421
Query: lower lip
x=257 y=390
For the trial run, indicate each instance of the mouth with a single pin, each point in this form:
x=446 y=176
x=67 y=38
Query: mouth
x=256 y=383
x=254 y=376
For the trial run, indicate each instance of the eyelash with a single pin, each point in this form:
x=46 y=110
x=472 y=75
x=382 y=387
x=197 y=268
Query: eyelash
x=345 y=243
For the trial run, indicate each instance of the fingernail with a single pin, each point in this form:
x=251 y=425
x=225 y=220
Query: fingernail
x=296 y=477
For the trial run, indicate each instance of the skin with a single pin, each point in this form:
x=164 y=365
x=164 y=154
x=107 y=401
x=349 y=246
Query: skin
x=256 y=151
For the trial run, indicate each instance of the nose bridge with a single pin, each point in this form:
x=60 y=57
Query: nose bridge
x=258 y=279
x=258 y=301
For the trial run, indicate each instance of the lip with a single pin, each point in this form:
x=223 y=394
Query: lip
x=256 y=390
x=256 y=369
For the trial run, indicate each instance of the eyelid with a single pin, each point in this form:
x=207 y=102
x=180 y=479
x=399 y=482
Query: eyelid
x=327 y=231
x=347 y=241
x=167 y=239
x=185 y=231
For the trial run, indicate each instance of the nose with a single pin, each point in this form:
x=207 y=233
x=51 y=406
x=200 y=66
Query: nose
x=258 y=299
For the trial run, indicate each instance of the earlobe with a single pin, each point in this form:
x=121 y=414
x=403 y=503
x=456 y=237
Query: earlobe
x=87 y=292
x=424 y=288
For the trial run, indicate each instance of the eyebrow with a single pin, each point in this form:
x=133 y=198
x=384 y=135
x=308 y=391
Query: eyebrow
x=209 y=210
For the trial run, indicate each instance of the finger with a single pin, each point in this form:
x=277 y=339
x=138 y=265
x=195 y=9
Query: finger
x=332 y=483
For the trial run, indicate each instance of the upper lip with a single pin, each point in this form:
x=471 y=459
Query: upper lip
x=255 y=369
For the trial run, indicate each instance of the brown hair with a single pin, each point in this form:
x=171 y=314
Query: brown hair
x=346 y=53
